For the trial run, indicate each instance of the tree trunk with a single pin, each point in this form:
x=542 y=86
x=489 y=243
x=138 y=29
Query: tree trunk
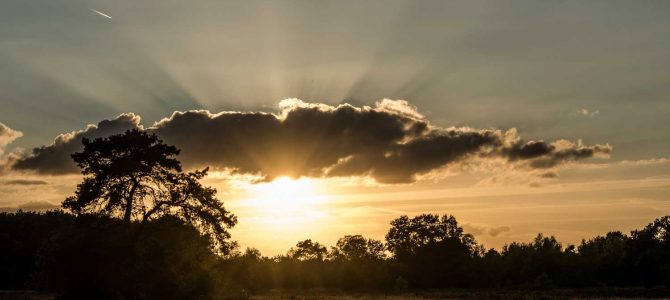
x=129 y=203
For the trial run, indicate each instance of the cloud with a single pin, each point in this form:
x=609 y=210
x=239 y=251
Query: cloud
x=546 y=155
x=31 y=206
x=478 y=230
x=586 y=113
x=562 y=151
x=513 y=175
x=549 y=175
x=55 y=158
x=25 y=182
x=498 y=230
x=7 y=135
x=390 y=142
x=627 y=163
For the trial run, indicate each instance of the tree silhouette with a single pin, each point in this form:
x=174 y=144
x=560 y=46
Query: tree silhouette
x=651 y=245
x=435 y=249
x=408 y=235
x=308 y=250
x=356 y=247
x=135 y=176
x=536 y=264
x=603 y=256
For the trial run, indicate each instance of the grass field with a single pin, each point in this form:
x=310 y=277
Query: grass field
x=24 y=295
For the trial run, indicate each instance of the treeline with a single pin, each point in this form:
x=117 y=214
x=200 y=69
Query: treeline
x=104 y=258
x=431 y=251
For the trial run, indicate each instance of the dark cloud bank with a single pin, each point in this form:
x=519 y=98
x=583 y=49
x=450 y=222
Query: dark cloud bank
x=390 y=142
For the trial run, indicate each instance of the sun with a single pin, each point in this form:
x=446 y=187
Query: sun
x=282 y=211
x=286 y=201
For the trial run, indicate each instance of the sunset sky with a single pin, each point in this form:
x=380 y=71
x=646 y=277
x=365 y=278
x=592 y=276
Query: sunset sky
x=326 y=118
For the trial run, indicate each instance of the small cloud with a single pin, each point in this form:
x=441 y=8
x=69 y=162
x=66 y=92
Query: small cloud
x=473 y=229
x=644 y=162
x=7 y=135
x=586 y=113
x=549 y=175
x=481 y=229
x=498 y=230
x=25 y=182
x=511 y=175
x=626 y=163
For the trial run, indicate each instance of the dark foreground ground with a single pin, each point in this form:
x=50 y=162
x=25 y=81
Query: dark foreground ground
x=609 y=293
x=600 y=293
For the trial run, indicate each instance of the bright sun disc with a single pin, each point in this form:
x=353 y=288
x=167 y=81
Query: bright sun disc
x=286 y=200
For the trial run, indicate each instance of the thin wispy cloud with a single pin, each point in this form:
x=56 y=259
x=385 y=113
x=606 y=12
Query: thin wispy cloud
x=8 y=135
x=25 y=182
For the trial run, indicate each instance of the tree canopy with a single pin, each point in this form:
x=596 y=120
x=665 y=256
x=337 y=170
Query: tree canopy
x=407 y=235
x=357 y=247
x=308 y=250
x=136 y=177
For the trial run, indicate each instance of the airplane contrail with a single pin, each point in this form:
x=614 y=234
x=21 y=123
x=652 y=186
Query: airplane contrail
x=100 y=13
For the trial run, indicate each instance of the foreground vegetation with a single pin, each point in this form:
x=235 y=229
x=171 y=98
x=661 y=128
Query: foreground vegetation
x=89 y=256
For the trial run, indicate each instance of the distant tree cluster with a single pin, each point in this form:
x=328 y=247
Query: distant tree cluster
x=432 y=251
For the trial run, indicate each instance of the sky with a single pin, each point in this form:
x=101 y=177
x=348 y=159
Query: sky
x=517 y=117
